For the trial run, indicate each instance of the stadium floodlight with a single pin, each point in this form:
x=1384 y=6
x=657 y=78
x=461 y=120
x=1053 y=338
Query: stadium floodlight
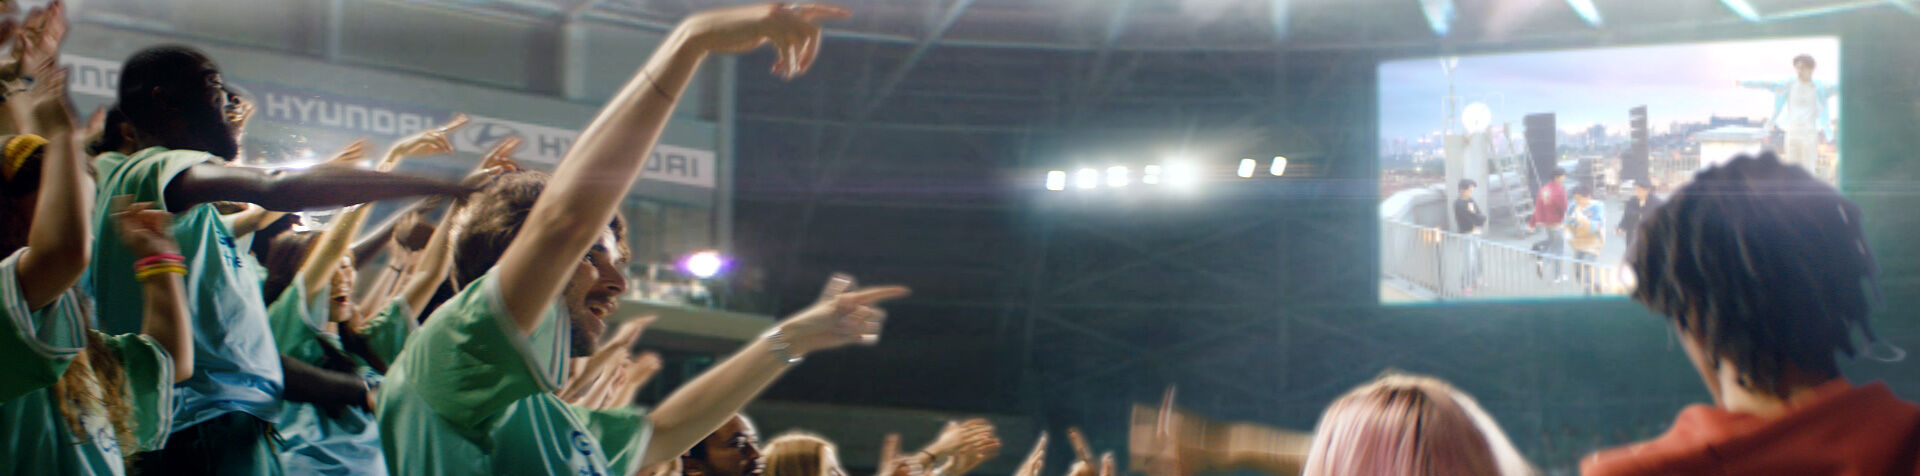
x=703 y=264
x=1180 y=174
x=1150 y=175
x=1117 y=176
x=1742 y=8
x=1056 y=180
x=1246 y=167
x=1086 y=179
x=1279 y=167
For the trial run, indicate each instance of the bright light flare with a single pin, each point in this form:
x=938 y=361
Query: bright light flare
x=1247 y=166
x=1117 y=176
x=1279 y=166
x=1057 y=180
x=1150 y=175
x=704 y=264
x=1086 y=179
x=1180 y=174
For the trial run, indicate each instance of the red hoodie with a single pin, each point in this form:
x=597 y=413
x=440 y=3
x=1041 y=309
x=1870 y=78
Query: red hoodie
x=1841 y=430
x=1551 y=207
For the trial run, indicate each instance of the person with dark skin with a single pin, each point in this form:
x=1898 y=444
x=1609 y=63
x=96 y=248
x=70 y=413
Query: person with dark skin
x=177 y=110
x=732 y=450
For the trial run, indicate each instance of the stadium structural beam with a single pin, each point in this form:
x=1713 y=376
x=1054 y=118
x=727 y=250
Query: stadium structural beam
x=1906 y=6
x=1439 y=15
x=1162 y=254
x=1743 y=9
x=1587 y=10
x=1176 y=350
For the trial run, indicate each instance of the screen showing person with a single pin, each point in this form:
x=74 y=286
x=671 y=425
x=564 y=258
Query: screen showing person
x=1482 y=157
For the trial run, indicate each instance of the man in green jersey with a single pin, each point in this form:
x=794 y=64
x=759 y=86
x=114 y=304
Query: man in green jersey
x=472 y=392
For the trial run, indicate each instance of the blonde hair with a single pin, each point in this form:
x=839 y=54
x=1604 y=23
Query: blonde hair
x=797 y=453
x=95 y=380
x=1402 y=424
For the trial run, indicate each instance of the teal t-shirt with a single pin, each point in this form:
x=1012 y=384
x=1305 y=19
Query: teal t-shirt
x=235 y=366
x=313 y=441
x=39 y=440
x=387 y=333
x=471 y=396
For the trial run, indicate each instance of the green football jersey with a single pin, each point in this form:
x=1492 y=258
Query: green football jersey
x=41 y=440
x=470 y=395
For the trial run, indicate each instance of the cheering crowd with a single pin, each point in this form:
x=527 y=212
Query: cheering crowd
x=160 y=314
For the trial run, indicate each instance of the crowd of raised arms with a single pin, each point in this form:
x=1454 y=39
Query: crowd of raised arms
x=160 y=314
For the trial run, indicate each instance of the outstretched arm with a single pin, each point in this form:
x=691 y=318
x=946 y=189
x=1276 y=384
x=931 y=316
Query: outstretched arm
x=317 y=187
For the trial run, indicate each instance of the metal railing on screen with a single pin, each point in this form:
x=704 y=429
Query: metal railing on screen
x=1430 y=263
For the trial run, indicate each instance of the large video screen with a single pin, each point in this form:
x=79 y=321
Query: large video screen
x=1521 y=176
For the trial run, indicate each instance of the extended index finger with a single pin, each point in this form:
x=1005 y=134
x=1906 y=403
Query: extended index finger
x=820 y=11
x=1080 y=447
x=876 y=294
x=1164 y=425
x=454 y=123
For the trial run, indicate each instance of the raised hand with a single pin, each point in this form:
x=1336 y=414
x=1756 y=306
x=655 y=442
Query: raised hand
x=605 y=358
x=1036 y=460
x=840 y=318
x=432 y=141
x=144 y=230
x=240 y=111
x=634 y=374
x=352 y=154
x=890 y=462
x=39 y=39
x=499 y=160
x=50 y=112
x=793 y=30
x=1083 y=464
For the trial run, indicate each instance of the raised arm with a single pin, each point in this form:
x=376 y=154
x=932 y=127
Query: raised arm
x=250 y=219
x=60 y=240
x=147 y=232
x=581 y=197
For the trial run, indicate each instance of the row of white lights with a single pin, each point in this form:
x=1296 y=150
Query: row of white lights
x=1175 y=174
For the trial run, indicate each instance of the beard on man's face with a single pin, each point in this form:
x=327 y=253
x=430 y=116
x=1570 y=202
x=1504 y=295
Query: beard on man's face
x=211 y=132
x=583 y=324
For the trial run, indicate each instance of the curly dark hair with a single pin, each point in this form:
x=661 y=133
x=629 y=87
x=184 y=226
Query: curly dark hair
x=1765 y=264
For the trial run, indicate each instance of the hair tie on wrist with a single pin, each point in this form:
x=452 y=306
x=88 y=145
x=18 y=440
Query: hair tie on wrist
x=158 y=257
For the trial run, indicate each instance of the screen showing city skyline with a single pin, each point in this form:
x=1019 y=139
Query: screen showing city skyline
x=1618 y=123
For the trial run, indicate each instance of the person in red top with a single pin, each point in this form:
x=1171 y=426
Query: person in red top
x=1550 y=209
x=1765 y=274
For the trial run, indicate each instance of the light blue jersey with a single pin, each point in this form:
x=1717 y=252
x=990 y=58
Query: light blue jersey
x=236 y=368
x=316 y=443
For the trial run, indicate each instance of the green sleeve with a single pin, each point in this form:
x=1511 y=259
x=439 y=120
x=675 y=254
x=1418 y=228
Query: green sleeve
x=469 y=363
x=146 y=176
x=622 y=432
x=296 y=321
x=35 y=346
x=387 y=333
x=149 y=371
